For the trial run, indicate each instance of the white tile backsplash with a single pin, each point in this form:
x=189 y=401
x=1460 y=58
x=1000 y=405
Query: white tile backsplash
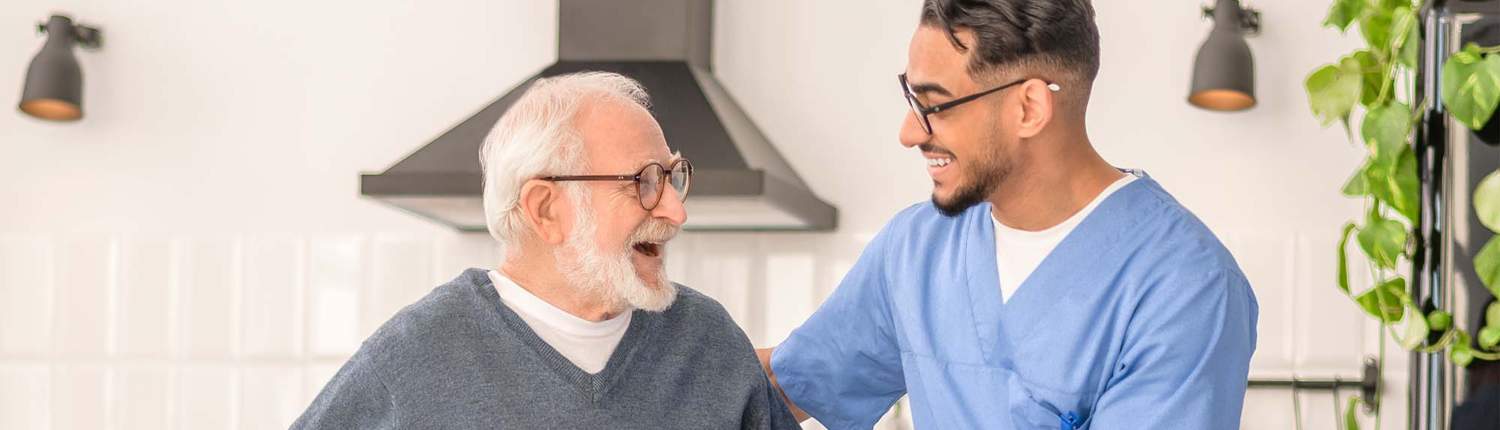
x=79 y=397
x=226 y=332
x=727 y=270
x=1264 y=262
x=142 y=397
x=1268 y=410
x=272 y=297
x=788 y=292
x=206 y=397
x=1333 y=343
x=208 y=294
x=678 y=256
x=455 y=254
x=271 y=397
x=334 y=277
x=400 y=273
x=25 y=397
x=145 y=298
x=25 y=296
x=81 y=311
x=839 y=255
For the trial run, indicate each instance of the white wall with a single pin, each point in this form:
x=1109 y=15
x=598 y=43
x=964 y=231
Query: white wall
x=194 y=254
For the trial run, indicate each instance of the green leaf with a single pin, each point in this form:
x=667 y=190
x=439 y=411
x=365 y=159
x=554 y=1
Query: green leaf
x=1471 y=86
x=1407 y=54
x=1487 y=201
x=1385 y=130
x=1332 y=90
x=1470 y=54
x=1461 y=356
x=1344 y=258
x=1342 y=13
x=1416 y=329
x=1492 y=314
x=1383 y=240
x=1489 y=337
x=1351 y=414
x=1396 y=184
x=1461 y=353
x=1372 y=77
x=1357 y=186
x=1439 y=320
x=1388 y=5
x=1376 y=25
x=1405 y=188
x=1384 y=300
x=1487 y=265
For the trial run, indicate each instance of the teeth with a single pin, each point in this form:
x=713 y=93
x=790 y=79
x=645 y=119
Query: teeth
x=938 y=162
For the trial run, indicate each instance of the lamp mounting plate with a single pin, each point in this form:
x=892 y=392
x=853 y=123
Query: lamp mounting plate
x=87 y=37
x=1249 y=19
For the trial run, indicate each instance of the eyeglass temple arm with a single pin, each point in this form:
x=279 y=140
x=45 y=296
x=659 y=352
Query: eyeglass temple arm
x=965 y=99
x=590 y=178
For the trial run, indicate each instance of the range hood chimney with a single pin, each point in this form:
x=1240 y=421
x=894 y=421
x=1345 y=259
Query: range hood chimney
x=741 y=183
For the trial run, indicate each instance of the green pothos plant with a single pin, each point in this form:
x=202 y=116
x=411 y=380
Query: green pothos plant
x=1369 y=79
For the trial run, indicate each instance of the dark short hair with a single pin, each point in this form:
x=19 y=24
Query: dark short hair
x=1056 y=33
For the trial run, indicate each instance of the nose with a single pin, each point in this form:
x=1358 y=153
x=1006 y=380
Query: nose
x=671 y=208
x=911 y=131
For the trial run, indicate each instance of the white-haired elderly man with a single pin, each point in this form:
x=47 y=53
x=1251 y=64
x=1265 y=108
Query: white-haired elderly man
x=578 y=327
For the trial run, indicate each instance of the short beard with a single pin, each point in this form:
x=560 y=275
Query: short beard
x=611 y=276
x=981 y=183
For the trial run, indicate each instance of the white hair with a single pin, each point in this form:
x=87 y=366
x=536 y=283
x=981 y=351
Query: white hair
x=537 y=137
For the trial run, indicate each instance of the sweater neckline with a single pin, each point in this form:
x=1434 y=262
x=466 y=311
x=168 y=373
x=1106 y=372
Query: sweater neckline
x=592 y=386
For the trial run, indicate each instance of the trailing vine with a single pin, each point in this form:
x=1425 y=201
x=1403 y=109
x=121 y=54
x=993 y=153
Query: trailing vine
x=1368 y=79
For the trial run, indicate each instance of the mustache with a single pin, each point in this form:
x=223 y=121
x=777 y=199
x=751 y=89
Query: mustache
x=655 y=231
x=928 y=147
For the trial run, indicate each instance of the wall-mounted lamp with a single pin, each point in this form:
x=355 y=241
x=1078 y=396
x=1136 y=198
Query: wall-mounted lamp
x=54 y=82
x=1224 y=73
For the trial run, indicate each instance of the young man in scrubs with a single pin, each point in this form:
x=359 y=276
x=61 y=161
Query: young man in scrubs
x=1041 y=287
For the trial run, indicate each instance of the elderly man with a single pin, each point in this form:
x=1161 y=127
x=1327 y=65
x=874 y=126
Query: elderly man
x=579 y=326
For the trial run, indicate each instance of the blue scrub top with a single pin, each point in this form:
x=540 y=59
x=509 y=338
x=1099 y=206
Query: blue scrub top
x=1139 y=319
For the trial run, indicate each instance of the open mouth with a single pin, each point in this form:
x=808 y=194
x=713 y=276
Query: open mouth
x=937 y=162
x=649 y=249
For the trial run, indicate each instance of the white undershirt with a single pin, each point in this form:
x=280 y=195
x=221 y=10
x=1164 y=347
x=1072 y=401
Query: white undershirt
x=587 y=344
x=1019 y=252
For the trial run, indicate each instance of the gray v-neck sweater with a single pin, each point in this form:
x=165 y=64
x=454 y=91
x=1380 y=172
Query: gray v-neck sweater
x=458 y=358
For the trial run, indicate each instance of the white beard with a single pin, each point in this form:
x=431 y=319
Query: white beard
x=611 y=277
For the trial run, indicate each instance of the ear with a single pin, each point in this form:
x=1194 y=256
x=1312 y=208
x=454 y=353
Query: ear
x=1038 y=104
x=542 y=205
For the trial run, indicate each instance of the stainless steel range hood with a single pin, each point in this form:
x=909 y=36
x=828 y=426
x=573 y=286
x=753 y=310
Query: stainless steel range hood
x=741 y=182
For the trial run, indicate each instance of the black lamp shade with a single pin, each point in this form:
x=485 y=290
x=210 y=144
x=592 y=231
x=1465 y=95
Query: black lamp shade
x=54 y=82
x=1224 y=72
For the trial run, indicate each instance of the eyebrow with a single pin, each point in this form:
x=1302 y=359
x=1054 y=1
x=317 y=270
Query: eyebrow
x=670 y=159
x=923 y=88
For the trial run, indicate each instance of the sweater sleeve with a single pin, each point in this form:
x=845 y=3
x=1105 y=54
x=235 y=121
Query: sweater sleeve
x=355 y=398
x=766 y=411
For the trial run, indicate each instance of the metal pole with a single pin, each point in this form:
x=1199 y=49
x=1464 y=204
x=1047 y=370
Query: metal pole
x=1428 y=380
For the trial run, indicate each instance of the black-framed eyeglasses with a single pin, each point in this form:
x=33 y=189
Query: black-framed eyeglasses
x=923 y=111
x=649 y=183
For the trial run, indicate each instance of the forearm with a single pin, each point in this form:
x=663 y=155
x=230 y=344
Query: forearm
x=765 y=363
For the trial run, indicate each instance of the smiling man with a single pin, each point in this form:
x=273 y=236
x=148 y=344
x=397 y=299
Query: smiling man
x=1041 y=287
x=578 y=328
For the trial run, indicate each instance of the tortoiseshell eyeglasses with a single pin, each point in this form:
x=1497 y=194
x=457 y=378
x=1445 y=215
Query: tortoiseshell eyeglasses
x=648 y=181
